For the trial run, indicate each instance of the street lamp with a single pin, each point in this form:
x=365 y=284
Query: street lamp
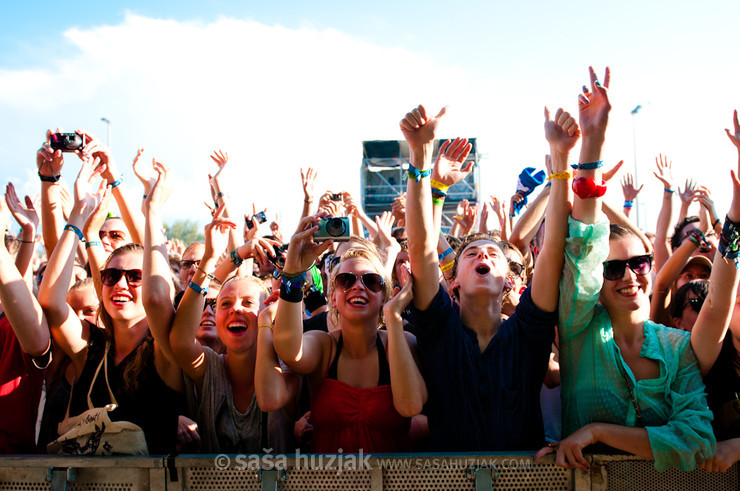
x=107 y=125
x=634 y=146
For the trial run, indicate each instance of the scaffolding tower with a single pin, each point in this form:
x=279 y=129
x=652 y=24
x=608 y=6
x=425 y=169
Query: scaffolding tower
x=385 y=171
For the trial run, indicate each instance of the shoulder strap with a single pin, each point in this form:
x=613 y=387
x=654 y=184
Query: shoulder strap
x=103 y=363
x=384 y=370
x=332 y=373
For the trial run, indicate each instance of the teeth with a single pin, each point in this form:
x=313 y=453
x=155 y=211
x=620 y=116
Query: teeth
x=120 y=299
x=207 y=323
x=628 y=291
x=358 y=301
x=237 y=325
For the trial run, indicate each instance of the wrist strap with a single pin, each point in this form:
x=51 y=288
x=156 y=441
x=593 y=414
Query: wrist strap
x=446 y=253
x=669 y=190
x=589 y=165
x=91 y=243
x=439 y=186
x=291 y=292
x=200 y=290
x=236 y=259
x=209 y=275
x=560 y=175
x=628 y=203
x=49 y=178
x=76 y=230
x=116 y=183
x=418 y=175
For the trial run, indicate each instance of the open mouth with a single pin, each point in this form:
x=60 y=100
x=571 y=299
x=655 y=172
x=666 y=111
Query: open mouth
x=630 y=291
x=359 y=301
x=237 y=327
x=120 y=299
x=482 y=270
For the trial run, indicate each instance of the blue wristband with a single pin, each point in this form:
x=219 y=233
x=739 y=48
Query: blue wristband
x=589 y=165
x=669 y=190
x=76 y=230
x=628 y=204
x=200 y=290
x=446 y=253
x=236 y=259
x=116 y=183
x=418 y=175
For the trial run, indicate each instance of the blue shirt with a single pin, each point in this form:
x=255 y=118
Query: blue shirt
x=490 y=400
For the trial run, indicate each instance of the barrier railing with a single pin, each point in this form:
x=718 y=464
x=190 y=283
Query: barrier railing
x=352 y=472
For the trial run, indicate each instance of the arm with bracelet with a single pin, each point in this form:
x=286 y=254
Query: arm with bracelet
x=630 y=193
x=666 y=277
x=274 y=383
x=50 y=163
x=686 y=196
x=220 y=198
x=664 y=174
x=28 y=219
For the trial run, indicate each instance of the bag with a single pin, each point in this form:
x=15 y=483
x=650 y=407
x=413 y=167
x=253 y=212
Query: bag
x=93 y=432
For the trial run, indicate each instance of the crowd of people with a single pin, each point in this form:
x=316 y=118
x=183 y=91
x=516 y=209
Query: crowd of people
x=565 y=330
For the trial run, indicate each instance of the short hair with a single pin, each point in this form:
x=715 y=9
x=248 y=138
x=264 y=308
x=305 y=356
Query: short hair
x=469 y=239
x=676 y=238
x=700 y=288
x=80 y=284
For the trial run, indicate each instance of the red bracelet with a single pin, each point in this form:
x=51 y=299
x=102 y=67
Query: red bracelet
x=586 y=187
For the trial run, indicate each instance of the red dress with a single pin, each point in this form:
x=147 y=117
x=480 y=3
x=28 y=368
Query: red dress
x=353 y=419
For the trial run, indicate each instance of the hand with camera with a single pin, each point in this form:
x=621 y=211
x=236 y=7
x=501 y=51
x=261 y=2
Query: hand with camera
x=50 y=160
x=96 y=149
x=304 y=251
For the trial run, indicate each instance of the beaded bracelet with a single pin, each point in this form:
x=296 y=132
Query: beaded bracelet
x=236 y=259
x=76 y=230
x=669 y=190
x=418 y=175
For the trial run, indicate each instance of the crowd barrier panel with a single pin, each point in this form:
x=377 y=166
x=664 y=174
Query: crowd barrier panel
x=495 y=471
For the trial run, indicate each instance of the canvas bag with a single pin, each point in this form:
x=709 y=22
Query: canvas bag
x=93 y=432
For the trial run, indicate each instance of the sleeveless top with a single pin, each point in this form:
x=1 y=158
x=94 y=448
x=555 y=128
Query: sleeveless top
x=154 y=406
x=354 y=419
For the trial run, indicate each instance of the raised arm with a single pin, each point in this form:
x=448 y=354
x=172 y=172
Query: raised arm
x=96 y=254
x=714 y=319
x=686 y=196
x=28 y=219
x=407 y=385
x=308 y=181
x=275 y=385
x=50 y=163
x=630 y=192
x=221 y=198
x=664 y=174
x=66 y=327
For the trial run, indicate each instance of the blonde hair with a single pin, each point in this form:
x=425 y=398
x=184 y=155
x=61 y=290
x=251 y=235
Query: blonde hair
x=251 y=279
x=377 y=265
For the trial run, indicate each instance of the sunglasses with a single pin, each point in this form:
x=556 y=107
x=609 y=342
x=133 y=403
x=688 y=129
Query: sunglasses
x=210 y=302
x=695 y=303
x=113 y=234
x=640 y=265
x=372 y=281
x=333 y=262
x=187 y=264
x=516 y=268
x=111 y=276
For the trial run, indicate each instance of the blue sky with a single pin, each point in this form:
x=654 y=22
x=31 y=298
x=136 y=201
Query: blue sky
x=271 y=81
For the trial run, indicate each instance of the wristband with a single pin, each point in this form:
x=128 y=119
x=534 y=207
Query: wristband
x=265 y=325
x=586 y=187
x=628 y=203
x=447 y=266
x=116 y=183
x=143 y=197
x=200 y=290
x=209 y=275
x=669 y=190
x=560 y=175
x=714 y=225
x=26 y=241
x=91 y=243
x=439 y=186
x=290 y=293
x=446 y=253
x=589 y=165
x=76 y=230
x=438 y=201
x=49 y=178
x=294 y=280
x=418 y=175
x=219 y=195
x=236 y=259
x=729 y=241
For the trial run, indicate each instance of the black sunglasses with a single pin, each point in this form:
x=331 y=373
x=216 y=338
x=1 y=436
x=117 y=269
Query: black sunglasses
x=695 y=303
x=111 y=276
x=210 y=302
x=333 y=262
x=372 y=281
x=516 y=267
x=187 y=264
x=640 y=265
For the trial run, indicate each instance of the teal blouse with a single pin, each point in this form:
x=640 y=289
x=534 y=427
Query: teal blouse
x=594 y=389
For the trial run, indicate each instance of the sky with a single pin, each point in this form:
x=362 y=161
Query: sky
x=285 y=85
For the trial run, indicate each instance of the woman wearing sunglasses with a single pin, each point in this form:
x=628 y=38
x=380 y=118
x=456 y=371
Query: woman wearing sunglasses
x=365 y=383
x=627 y=382
x=135 y=312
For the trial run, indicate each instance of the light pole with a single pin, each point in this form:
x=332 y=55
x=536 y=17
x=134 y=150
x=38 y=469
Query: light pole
x=634 y=146
x=107 y=126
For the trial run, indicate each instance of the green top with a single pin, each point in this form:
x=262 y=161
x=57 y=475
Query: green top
x=594 y=389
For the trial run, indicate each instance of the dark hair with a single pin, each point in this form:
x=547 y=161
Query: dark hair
x=617 y=232
x=398 y=232
x=508 y=246
x=700 y=288
x=146 y=349
x=469 y=239
x=677 y=238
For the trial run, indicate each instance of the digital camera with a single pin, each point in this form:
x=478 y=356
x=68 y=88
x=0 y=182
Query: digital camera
x=259 y=218
x=337 y=197
x=67 y=142
x=333 y=228
x=279 y=259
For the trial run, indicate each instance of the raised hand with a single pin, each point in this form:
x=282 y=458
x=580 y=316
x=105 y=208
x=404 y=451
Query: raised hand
x=562 y=133
x=466 y=218
x=221 y=158
x=704 y=197
x=26 y=216
x=396 y=305
x=612 y=172
x=308 y=180
x=664 y=171
x=449 y=167
x=398 y=208
x=418 y=128
x=161 y=190
x=689 y=192
x=48 y=161
x=628 y=188
x=85 y=198
x=95 y=148
x=217 y=234
x=350 y=207
x=734 y=136
x=594 y=106
x=146 y=175
x=385 y=221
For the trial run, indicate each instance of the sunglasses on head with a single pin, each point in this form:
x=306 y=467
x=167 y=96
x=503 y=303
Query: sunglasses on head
x=111 y=276
x=640 y=265
x=695 y=303
x=187 y=264
x=210 y=302
x=516 y=267
x=372 y=281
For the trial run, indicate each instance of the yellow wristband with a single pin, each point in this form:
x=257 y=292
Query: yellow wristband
x=438 y=185
x=560 y=175
x=265 y=325
x=447 y=266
